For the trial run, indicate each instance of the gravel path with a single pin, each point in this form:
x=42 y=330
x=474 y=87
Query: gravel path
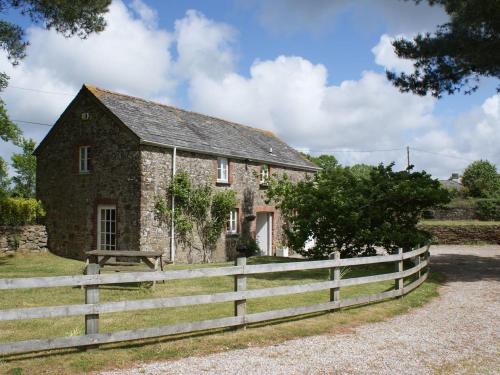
x=457 y=333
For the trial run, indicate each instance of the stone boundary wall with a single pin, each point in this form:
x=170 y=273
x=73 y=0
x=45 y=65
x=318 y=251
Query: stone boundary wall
x=28 y=238
x=453 y=213
x=463 y=234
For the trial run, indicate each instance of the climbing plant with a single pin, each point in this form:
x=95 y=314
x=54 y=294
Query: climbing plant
x=200 y=213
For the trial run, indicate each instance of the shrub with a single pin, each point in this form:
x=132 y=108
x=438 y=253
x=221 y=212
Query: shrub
x=488 y=209
x=20 y=211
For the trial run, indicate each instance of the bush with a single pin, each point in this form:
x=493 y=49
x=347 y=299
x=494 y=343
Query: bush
x=488 y=209
x=20 y=211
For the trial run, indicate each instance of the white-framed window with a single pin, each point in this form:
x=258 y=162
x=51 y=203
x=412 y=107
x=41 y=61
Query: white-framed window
x=222 y=170
x=264 y=174
x=106 y=227
x=232 y=223
x=85 y=159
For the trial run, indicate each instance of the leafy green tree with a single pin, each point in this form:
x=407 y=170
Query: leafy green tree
x=199 y=210
x=25 y=166
x=481 y=179
x=355 y=215
x=457 y=54
x=362 y=170
x=323 y=161
x=4 y=179
x=396 y=201
x=68 y=17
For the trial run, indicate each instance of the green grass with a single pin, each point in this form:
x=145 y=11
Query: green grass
x=125 y=354
x=459 y=222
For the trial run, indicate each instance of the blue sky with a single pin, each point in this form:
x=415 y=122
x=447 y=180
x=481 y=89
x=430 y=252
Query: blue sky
x=312 y=72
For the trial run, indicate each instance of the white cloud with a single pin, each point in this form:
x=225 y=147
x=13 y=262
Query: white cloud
x=386 y=57
x=319 y=15
x=291 y=96
x=203 y=46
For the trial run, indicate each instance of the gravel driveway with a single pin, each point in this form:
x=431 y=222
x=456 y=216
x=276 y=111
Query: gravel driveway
x=457 y=333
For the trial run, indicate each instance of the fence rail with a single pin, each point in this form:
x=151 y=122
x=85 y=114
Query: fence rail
x=92 y=308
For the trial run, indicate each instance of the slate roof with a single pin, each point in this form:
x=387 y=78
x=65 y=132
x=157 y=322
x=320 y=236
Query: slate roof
x=170 y=126
x=451 y=184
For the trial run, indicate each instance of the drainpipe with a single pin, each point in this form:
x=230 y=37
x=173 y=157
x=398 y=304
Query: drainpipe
x=172 y=227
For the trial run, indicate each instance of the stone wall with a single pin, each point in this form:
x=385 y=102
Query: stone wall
x=28 y=238
x=244 y=179
x=71 y=198
x=453 y=213
x=464 y=234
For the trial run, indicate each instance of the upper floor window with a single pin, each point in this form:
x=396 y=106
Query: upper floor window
x=232 y=223
x=264 y=174
x=85 y=159
x=222 y=170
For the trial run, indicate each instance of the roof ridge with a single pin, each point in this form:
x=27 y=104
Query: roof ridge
x=93 y=88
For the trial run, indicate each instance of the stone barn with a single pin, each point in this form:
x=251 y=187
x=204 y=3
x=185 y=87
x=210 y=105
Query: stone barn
x=107 y=159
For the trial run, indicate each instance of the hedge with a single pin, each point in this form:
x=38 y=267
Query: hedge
x=20 y=211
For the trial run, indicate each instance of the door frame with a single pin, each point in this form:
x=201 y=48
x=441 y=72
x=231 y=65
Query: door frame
x=101 y=206
x=270 y=230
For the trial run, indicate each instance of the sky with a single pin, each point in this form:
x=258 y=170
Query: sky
x=313 y=72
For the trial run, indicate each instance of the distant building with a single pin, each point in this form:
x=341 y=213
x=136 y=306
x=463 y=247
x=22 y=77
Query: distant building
x=453 y=183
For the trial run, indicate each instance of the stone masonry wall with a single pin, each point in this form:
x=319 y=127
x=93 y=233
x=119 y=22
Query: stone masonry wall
x=28 y=238
x=244 y=179
x=70 y=197
x=463 y=234
x=453 y=213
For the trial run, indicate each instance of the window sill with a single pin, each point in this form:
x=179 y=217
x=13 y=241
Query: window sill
x=222 y=183
x=232 y=235
x=84 y=173
x=263 y=185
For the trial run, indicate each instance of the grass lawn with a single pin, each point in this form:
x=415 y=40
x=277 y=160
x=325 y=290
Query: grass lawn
x=458 y=222
x=126 y=354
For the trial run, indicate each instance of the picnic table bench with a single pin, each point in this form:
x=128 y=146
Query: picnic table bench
x=153 y=259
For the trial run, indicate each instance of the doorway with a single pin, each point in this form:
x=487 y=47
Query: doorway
x=106 y=227
x=264 y=232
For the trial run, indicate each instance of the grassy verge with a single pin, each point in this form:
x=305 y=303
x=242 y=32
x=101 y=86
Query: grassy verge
x=459 y=222
x=126 y=354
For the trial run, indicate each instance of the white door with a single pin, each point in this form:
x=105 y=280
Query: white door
x=106 y=227
x=264 y=232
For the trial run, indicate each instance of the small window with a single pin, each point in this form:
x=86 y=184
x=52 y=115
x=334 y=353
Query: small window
x=222 y=170
x=85 y=159
x=232 y=223
x=264 y=174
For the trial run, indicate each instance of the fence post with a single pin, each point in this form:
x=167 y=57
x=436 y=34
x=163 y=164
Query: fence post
x=399 y=268
x=335 y=275
x=240 y=284
x=91 y=297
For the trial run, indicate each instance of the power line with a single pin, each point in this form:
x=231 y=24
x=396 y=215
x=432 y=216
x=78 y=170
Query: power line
x=367 y=151
x=441 y=154
x=32 y=122
x=40 y=91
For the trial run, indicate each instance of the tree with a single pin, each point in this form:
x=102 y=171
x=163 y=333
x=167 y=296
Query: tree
x=25 y=166
x=457 y=54
x=355 y=215
x=322 y=161
x=198 y=210
x=481 y=179
x=362 y=170
x=68 y=17
x=4 y=179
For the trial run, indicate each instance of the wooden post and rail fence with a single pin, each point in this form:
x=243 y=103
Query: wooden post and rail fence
x=92 y=308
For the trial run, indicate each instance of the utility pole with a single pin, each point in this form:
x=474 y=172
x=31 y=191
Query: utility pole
x=408 y=156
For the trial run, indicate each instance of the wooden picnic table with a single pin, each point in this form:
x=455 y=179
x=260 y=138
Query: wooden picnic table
x=152 y=259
